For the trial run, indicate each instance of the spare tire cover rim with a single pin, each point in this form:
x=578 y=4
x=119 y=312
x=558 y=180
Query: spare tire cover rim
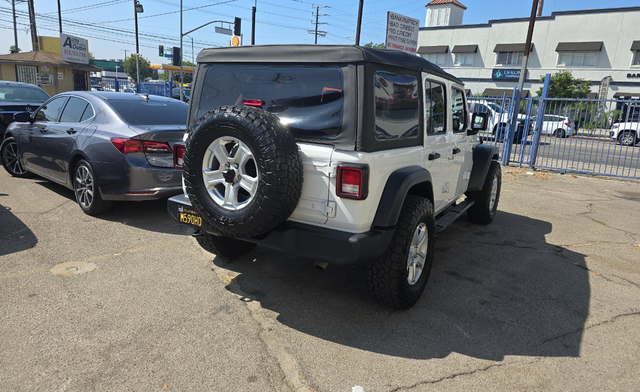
x=230 y=173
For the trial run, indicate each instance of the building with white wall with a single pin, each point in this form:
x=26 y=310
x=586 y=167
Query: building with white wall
x=592 y=44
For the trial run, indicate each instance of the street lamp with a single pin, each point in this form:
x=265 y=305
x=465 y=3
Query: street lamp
x=137 y=8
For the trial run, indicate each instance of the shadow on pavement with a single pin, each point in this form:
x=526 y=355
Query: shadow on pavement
x=15 y=236
x=494 y=291
x=149 y=215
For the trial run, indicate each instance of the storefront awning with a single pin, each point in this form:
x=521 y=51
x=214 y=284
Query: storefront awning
x=579 y=46
x=499 y=92
x=43 y=58
x=433 y=49
x=465 y=49
x=511 y=48
x=635 y=46
x=622 y=95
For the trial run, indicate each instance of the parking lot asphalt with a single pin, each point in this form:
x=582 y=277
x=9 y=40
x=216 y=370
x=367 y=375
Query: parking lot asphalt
x=547 y=297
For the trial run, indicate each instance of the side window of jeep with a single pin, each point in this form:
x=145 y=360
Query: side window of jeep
x=435 y=108
x=397 y=106
x=458 y=110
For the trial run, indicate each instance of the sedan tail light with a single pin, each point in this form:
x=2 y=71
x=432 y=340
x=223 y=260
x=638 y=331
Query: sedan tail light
x=567 y=123
x=128 y=146
x=353 y=182
x=178 y=155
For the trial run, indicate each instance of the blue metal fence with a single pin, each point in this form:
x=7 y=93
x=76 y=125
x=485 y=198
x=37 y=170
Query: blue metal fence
x=571 y=135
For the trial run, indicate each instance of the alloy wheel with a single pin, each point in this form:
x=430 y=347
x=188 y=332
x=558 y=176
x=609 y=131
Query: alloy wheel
x=11 y=159
x=230 y=173
x=494 y=194
x=417 y=253
x=84 y=186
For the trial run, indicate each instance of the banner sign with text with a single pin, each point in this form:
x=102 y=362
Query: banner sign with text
x=509 y=74
x=74 y=49
x=402 y=32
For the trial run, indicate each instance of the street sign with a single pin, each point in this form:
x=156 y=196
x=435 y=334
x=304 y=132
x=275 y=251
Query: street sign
x=235 y=41
x=402 y=32
x=222 y=30
x=168 y=55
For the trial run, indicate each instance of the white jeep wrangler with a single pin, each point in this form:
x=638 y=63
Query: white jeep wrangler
x=341 y=154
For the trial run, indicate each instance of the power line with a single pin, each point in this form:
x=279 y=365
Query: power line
x=89 y=7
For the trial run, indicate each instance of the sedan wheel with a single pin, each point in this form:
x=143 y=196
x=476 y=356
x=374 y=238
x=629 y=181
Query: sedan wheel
x=11 y=159
x=86 y=190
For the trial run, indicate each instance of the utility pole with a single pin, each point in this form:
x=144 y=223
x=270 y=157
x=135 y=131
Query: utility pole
x=253 y=23
x=125 y=53
x=523 y=75
x=59 y=17
x=15 y=26
x=359 y=26
x=317 y=32
x=32 y=25
x=137 y=7
x=540 y=7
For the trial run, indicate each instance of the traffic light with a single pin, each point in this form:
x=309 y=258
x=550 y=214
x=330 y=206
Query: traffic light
x=161 y=50
x=176 y=56
x=237 y=27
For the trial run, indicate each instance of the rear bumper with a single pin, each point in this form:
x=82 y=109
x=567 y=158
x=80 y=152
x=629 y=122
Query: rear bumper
x=318 y=243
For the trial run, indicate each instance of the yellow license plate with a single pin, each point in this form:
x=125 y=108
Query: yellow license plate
x=190 y=219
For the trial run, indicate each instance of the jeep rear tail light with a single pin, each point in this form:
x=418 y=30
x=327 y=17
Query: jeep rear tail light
x=353 y=182
x=178 y=155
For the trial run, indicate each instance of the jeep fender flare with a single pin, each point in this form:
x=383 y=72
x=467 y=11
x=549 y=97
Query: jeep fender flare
x=395 y=192
x=482 y=157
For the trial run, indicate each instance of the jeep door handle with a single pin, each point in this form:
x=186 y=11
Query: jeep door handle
x=434 y=156
x=71 y=131
x=456 y=150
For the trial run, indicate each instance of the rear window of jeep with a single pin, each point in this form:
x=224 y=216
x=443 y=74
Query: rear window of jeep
x=308 y=99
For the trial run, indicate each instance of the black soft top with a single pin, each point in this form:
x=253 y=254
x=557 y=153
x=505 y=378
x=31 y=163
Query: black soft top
x=321 y=54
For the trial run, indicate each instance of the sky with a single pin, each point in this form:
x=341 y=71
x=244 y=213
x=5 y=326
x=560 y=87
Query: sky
x=109 y=27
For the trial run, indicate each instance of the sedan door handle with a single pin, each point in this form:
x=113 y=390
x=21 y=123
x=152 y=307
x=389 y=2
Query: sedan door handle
x=71 y=131
x=434 y=156
x=42 y=130
x=456 y=150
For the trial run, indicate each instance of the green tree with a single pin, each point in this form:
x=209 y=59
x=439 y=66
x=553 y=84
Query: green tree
x=564 y=85
x=374 y=46
x=130 y=67
x=13 y=49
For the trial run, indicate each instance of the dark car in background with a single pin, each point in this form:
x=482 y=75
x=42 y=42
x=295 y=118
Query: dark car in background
x=18 y=97
x=187 y=93
x=105 y=146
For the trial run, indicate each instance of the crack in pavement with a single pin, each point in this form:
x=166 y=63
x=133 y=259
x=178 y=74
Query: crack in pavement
x=287 y=364
x=466 y=373
x=633 y=313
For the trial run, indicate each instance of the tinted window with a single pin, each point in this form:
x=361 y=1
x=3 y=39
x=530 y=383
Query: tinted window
x=397 y=106
x=22 y=94
x=435 y=107
x=73 y=110
x=51 y=110
x=152 y=112
x=308 y=99
x=458 y=111
x=88 y=113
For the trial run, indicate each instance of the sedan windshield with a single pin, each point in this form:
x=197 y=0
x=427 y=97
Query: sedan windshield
x=22 y=94
x=151 y=112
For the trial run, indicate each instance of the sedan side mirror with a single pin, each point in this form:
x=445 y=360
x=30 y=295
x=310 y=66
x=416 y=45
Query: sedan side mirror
x=23 y=117
x=479 y=122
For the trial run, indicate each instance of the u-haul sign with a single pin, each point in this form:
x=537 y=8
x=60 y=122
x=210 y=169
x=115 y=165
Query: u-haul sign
x=402 y=32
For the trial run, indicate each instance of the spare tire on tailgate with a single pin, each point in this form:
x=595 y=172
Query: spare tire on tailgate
x=242 y=171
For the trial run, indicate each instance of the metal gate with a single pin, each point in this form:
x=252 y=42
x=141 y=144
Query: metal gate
x=595 y=136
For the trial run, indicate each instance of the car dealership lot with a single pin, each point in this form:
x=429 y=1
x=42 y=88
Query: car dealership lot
x=546 y=297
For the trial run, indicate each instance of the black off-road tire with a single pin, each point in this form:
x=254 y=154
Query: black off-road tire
x=277 y=162
x=481 y=211
x=9 y=153
x=229 y=248
x=387 y=277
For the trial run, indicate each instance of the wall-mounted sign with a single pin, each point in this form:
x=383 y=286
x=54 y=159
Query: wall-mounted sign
x=60 y=76
x=74 y=49
x=505 y=74
x=44 y=68
x=633 y=75
x=45 y=79
x=402 y=32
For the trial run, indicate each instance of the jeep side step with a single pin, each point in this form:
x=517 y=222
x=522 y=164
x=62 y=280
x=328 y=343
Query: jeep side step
x=448 y=217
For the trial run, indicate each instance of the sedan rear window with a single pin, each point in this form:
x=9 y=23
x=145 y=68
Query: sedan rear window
x=151 y=112
x=308 y=99
x=22 y=94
